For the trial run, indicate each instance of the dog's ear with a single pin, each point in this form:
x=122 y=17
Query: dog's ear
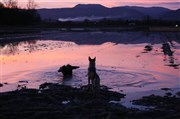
x=89 y=58
x=95 y=59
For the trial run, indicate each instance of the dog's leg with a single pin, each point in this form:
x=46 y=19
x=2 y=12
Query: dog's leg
x=89 y=83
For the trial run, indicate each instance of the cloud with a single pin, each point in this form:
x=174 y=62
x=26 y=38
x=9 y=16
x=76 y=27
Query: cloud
x=171 y=5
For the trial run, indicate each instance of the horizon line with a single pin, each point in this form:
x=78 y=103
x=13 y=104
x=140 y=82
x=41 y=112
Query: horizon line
x=109 y=7
x=61 y=4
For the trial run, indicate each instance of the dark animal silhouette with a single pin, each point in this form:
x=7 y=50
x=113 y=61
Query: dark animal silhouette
x=67 y=70
x=93 y=77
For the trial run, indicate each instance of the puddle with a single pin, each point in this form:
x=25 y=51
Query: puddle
x=121 y=61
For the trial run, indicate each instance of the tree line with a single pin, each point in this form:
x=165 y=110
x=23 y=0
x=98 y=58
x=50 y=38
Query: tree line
x=12 y=14
x=113 y=23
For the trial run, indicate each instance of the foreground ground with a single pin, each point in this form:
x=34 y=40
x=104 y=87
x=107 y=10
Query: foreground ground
x=53 y=101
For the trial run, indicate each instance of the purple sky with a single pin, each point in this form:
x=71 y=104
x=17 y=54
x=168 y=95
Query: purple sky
x=172 y=4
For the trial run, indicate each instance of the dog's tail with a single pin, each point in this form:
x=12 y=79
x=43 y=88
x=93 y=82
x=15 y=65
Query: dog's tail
x=72 y=67
x=75 y=67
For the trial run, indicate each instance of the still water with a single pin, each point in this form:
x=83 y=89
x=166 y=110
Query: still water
x=128 y=61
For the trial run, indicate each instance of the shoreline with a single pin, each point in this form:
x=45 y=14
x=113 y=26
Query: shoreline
x=29 y=30
x=21 y=34
x=60 y=101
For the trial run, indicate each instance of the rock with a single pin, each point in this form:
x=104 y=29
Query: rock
x=1 y=85
x=148 y=48
x=168 y=94
x=178 y=93
x=23 y=81
x=166 y=89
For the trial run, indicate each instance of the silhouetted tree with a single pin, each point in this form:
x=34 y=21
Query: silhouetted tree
x=31 y=4
x=10 y=14
x=11 y=3
x=1 y=5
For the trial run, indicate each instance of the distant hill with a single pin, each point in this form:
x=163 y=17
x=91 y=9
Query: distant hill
x=153 y=12
x=89 y=6
x=96 y=11
x=171 y=15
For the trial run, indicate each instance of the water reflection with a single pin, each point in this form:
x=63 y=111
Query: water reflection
x=30 y=59
x=97 y=38
x=166 y=39
x=14 y=47
x=11 y=48
x=168 y=54
x=31 y=46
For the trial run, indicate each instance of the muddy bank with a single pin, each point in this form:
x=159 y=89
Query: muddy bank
x=166 y=107
x=59 y=101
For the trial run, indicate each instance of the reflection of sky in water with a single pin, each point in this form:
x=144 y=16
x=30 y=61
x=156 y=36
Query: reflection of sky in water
x=120 y=66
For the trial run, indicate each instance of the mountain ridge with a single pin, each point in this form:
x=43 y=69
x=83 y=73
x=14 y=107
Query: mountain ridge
x=100 y=11
x=89 y=6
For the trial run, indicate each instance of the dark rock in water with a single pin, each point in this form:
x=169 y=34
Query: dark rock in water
x=23 y=81
x=178 y=94
x=1 y=85
x=165 y=107
x=21 y=87
x=166 y=89
x=148 y=48
x=48 y=85
x=137 y=56
x=104 y=87
x=168 y=94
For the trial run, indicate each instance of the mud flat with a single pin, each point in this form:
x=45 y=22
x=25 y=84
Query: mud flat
x=59 y=101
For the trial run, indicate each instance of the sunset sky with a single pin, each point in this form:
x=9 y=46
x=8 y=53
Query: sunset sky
x=172 y=4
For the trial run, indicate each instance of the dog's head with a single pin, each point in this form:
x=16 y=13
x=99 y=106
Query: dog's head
x=92 y=61
x=61 y=69
x=67 y=69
